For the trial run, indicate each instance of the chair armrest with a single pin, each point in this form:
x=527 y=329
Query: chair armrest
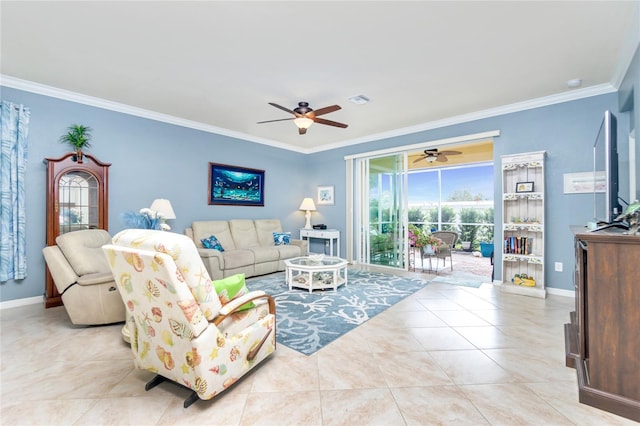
x=303 y=244
x=212 y=257
x=233 y=305
x=97 y=278
x=213 y=262
x=61 y=271
x=205 y=252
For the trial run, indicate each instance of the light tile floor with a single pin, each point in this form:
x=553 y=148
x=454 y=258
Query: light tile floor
x=446 y=355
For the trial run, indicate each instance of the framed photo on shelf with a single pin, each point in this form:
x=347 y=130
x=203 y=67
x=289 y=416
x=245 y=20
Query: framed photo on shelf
x=524 y=187
x=325 y=195
x=237 y=186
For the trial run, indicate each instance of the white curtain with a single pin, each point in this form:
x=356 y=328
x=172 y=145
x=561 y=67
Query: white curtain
x=14 y=124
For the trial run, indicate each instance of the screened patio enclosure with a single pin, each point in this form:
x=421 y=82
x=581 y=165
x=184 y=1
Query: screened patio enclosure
x=389 y=189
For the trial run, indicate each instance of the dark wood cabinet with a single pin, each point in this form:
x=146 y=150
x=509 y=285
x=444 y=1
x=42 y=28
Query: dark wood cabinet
x=77 y=198
x=602 y=340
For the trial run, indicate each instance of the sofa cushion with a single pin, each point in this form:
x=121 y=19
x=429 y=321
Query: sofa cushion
x=219 y=228
x=265 y=229
x=288 y=252
x=212 y=243
x=83 y=250
x=244 y=233
x=231 y=287
x=265 y=254
x=237 y=258
x=282 y=238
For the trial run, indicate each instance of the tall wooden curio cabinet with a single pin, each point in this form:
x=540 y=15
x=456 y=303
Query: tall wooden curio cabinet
x=77 y=198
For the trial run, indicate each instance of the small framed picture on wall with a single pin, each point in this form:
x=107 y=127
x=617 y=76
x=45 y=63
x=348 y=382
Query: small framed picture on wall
x=325 y=195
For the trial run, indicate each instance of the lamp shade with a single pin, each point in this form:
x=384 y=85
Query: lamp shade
x=308 y=205
x=163 y=206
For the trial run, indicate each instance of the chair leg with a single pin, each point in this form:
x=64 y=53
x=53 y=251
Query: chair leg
x=193 y=396
x=154 y=382
x=190 y=399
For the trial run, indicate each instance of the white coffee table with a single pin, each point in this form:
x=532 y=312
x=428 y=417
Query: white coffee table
x=303 y=272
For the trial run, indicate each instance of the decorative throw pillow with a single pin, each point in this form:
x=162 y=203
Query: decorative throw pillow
x=282 y=238
x=231 y=287
x=212 y=243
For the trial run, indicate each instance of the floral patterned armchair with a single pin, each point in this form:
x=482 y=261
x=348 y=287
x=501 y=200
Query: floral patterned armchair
x=178 y=326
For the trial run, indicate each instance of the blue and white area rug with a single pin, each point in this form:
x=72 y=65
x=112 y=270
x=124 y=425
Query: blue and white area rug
x=307 y=321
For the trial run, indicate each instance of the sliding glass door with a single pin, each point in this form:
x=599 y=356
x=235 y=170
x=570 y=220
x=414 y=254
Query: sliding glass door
x=382 y=210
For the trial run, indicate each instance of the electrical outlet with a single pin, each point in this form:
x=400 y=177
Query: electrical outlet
x=558 y=266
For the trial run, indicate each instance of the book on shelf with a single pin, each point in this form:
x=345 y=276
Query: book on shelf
x=518 y=245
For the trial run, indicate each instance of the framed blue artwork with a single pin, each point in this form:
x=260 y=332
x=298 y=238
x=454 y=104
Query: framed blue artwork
x=233 y=185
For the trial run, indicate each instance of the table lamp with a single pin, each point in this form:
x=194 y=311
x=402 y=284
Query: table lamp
x=308 y=205
x=163 y=207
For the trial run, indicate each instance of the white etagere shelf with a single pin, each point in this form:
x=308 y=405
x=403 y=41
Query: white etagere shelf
x=523 y=230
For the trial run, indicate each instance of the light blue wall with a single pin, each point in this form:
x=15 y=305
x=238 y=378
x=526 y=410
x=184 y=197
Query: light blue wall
x=149 y=160
x=565 y=131
x=153 y=159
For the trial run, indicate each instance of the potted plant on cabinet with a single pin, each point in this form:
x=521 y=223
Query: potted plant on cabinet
x=79 y=137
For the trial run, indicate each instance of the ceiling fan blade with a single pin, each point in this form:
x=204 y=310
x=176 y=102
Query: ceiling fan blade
x=283 y=108
x=326 y=110
x=449 y=152
x=419 y=159
x=330 y=123
x=441 y=158
x=271 y=121
x=302 y=131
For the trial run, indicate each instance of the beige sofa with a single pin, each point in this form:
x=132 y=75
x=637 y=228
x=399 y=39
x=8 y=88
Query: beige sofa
x=249 y=247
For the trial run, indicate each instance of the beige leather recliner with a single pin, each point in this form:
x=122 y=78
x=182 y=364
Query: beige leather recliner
x=82 y=276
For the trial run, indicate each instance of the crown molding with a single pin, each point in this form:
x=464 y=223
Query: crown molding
x=42 y=89
x=488 y=113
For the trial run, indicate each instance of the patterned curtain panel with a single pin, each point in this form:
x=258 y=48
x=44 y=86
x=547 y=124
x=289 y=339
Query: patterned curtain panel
x=14 y=123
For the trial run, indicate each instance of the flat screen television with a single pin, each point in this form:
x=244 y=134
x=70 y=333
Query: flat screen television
x=606 y=206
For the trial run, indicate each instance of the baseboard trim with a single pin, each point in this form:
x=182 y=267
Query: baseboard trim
x=561 y=292
x=550 y=290
x=21 y=302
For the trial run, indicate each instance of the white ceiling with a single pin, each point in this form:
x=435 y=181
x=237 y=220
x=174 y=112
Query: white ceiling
x=216 y=65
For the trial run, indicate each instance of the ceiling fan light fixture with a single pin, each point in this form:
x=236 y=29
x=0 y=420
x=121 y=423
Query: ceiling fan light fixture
x=432 y=159
x=303 y=122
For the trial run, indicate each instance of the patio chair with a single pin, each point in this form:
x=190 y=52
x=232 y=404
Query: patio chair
x=185 y=328
x=449 y=239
